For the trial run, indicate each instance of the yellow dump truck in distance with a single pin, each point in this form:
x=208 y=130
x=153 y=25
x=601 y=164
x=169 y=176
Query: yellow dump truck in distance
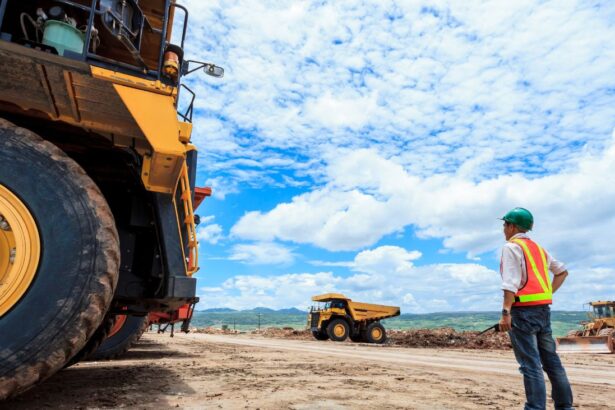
x=341 y=318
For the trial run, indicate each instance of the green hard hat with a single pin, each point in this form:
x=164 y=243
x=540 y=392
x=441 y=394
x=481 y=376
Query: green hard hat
x=520 y=217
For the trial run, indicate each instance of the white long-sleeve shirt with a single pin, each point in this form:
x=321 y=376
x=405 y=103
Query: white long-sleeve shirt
x=512 y=265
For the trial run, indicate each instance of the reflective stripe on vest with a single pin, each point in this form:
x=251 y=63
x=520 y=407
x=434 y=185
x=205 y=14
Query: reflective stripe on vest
x=537 y=289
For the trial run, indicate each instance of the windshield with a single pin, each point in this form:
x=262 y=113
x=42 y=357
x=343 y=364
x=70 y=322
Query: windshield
x=604 y=311
x=328 y=305
x=321 y=306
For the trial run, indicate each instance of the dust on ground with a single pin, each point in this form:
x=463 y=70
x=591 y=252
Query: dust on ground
x=199 y=371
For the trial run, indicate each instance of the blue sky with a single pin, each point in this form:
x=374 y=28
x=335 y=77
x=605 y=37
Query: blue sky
x=368 y=147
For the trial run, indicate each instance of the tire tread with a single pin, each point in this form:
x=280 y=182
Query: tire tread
x=99 y=289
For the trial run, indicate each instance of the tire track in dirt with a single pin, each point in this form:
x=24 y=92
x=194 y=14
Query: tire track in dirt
x=457 y=360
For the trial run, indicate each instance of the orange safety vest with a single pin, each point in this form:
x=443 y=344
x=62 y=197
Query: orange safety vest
x=537 y=289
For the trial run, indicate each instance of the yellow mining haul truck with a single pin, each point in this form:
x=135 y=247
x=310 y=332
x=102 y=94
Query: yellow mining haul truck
x=598 y=334
x=97 y=176
x=341 y=318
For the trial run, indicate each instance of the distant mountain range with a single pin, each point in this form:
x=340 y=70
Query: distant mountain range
x=264 y=310
x=262 y=317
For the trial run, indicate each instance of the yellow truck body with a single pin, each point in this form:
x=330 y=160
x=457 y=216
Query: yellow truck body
x=341 y=317
x=97 y=176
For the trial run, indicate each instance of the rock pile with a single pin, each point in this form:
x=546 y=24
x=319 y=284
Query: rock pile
x=284 y=333
x=444 y=337
x=449 y=338
x=213 y=331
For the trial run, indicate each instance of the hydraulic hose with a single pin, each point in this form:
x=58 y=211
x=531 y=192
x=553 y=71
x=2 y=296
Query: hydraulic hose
x=23 y=26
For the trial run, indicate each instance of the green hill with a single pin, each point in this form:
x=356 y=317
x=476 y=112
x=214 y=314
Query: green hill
x=297 y=319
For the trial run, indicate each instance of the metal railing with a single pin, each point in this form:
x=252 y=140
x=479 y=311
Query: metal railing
x=96 y=59
x=187 y=213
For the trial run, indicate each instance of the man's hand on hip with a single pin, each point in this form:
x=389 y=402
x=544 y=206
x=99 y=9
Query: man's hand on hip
x=505 y=323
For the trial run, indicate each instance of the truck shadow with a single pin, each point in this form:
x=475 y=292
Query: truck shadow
x=146 y=349
x=147 y=353
x=108 y=384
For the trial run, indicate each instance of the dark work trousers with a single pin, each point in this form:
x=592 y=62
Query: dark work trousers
x=534 y=349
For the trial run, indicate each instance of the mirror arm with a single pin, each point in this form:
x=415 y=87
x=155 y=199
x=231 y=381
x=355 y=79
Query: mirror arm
x=208 y=67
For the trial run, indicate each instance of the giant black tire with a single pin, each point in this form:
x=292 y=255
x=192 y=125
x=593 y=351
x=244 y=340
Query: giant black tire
x=95 y=340
x=375 y=333
x=117 y=344
x=78 y=265
x=338 y=330
x=319 y=335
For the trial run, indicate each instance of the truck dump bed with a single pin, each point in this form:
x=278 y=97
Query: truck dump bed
x=369 y=311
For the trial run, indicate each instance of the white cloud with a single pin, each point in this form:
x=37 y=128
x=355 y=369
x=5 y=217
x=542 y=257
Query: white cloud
x=471 y=274
x=433 y=84
x=585 y=285
x=276 y=292
x=423 y=289
x=387 y=275
x=353 y=111
x=221 y=187
x=386 y=259
x=369 y=196
x=408 y=298
x=210 y=233
x=384 y=275
x=381 y=260
x=420 y=289
x=262 y=253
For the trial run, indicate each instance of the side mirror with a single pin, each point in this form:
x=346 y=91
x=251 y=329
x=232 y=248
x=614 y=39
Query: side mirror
x=213 y=70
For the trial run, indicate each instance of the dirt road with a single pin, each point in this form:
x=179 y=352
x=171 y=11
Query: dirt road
x=477 y=361
x=214 y=371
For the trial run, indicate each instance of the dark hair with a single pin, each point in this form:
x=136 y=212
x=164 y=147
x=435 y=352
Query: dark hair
x=520 y=229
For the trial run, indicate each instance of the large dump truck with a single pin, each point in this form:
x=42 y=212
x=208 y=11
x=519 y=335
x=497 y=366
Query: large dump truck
x=97 y=175
x=597 y=334
x=341 y=318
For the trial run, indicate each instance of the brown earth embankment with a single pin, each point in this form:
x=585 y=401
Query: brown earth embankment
x=445 y=337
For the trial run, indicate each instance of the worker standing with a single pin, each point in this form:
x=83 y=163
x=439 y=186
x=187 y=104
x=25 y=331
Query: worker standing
x=526 y=314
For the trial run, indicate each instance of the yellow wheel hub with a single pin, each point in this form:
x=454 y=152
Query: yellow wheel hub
x=20 y=249
x=376 y=334
x=339 y=330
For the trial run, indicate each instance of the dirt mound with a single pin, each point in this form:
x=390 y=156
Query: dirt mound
x=284 y=333
x=443 y=337
x=449 y=338
x=213 y=331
